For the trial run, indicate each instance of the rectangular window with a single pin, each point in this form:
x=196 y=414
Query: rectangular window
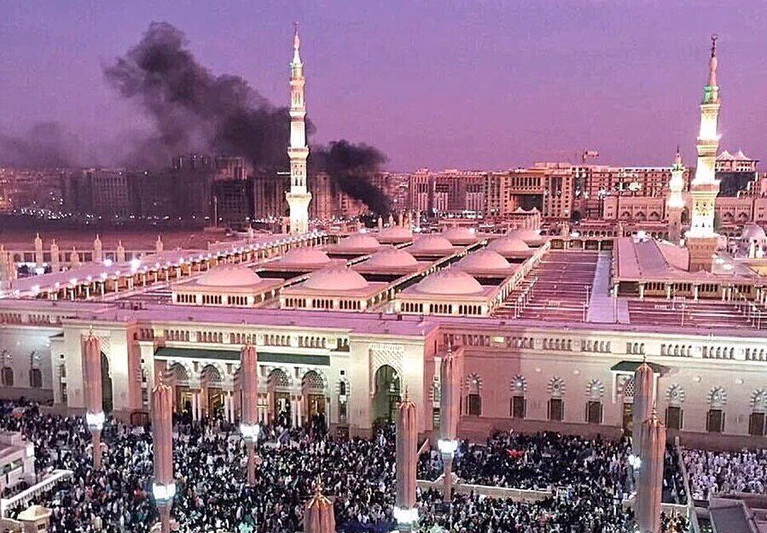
x=518 y=406
x=715 y=421
x=756 y=424
x=556 y=409
x=475 y=405
x=674 y=417
x=594 y=412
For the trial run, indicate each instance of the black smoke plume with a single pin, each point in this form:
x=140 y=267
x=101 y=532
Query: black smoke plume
x=45 y=145
x=196 y=111
x=352 y=168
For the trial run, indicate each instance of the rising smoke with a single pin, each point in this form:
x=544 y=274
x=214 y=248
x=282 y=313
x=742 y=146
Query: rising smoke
x=45 y=145
x=196 y=111
x=352 y=167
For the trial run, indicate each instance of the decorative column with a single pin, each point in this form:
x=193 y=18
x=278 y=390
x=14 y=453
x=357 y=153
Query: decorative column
x=55 y=257
x=643 y=402
x=249 y=422
x=647 y=508
x=449 y=401
x=98 y=250
x=120 y=253
x=38 y=251
x=164 y=487
x=94 y=411
x=405 y=510
x=319 y=516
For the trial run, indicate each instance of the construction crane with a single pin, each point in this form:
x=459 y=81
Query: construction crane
x=580 y=155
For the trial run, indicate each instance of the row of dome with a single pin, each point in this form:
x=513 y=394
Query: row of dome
x=521 y=240
x=451 y=281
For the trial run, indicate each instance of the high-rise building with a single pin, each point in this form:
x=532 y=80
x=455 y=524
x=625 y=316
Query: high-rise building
x=299 y=196
x=737 y=174
x=702 y=239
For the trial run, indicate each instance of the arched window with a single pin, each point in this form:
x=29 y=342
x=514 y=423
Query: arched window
x=474 y=400
x=717 y=400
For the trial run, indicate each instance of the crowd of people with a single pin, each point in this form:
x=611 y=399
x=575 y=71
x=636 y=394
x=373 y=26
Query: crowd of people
x=718 y=473
x=587 y=479
x=544 y=461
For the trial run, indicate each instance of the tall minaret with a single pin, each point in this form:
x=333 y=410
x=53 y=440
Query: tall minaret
x=675 y=202
x=299 y=196
x=701 y=239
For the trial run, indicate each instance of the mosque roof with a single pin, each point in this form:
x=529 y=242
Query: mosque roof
x=431 y=243
x=510 y=244
x=359 y=241
x=395 y=234
x=305 y=257
x=459 y=235
x=484 y=260
x=528 y=236
x=229 y=276
x=449 y=282
x=391 y=258
x=335 y=279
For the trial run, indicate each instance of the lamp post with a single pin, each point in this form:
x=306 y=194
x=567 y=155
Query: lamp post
x=249 y=428
x=405 y=510
x=164 y=487
x=94 y=411
x=448 y=408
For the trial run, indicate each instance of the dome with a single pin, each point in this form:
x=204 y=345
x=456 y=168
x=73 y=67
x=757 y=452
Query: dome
x=449 y=282
x=431 y=243
x=459 y=234
x=335 y=279
x=508 y=245
x=359 y=241
x=528 y=236
x=229 y=276
x=395 y=234
x=305 y=256
x=753 y=232
x=391 y=258
x=484 y=260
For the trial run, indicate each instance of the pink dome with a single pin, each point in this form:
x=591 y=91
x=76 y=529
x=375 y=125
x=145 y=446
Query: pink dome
x=449 y=282
x=459 y=234
x=338 y=278
x=395 y=234
x=229 y=276
x=359 y=241
x=431 y=243
x=529 y=236
x=305 y=257
x=508 y=245
x=391 y=258
x=483 y=260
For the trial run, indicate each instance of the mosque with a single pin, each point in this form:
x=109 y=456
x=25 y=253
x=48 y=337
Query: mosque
x=549 y=328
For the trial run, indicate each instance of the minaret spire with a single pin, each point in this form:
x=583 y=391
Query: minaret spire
x=299 y=196
x=702 y=240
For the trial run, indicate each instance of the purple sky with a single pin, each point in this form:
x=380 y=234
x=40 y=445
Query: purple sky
x=441 y=84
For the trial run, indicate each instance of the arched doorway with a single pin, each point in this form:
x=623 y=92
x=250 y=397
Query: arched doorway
x=212 y=383
x=182 y=394
x=387 y=393
x=106 y=385
x=313 y=391
x=278 y=389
